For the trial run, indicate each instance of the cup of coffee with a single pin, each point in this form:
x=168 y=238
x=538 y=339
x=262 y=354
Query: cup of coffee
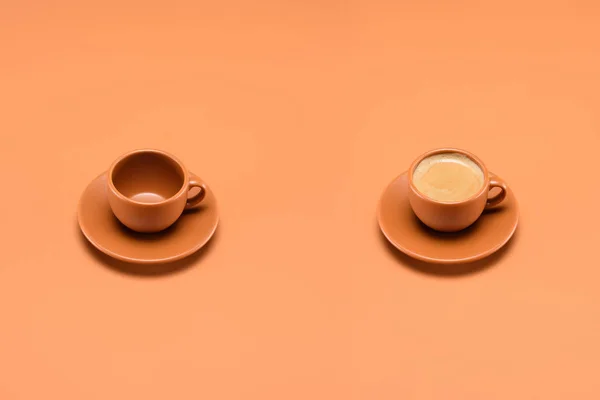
x=148 y=190
x=449 y=189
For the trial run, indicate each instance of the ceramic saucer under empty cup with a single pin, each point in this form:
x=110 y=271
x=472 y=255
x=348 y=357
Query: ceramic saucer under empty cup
x=148 y=189
x=489 y=221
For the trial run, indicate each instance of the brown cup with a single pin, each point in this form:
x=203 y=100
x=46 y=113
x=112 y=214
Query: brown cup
x=148 y=190
x=454 y=216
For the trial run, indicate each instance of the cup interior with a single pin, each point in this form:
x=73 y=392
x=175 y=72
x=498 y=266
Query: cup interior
x=148 y=177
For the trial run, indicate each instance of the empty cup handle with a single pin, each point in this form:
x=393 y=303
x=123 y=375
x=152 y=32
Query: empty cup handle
x=195 y=200
x=497 y=199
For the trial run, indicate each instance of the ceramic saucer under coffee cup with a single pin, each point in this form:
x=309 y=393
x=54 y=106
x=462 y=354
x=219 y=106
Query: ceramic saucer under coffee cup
x=448 y=218
x=140 y=211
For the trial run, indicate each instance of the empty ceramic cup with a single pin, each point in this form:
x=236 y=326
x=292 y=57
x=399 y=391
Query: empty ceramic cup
x=449 y=189
x=148 y=190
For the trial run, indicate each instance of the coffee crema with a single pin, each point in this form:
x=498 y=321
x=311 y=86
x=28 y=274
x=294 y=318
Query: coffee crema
x=448 y=177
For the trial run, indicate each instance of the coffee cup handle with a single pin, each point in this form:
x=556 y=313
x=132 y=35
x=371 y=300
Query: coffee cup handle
x=497 y=199
x=195 y=200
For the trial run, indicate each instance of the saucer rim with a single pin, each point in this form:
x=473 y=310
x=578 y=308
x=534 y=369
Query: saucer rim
x=444 y=261
x=131 y=260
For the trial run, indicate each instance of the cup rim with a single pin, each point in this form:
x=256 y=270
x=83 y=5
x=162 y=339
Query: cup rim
x=443 y=150
x=163 y=153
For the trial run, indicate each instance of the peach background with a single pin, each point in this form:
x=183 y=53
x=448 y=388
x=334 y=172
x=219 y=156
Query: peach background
x=298 y=114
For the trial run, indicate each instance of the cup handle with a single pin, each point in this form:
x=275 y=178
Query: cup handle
x=195 y=200
x=497 y=199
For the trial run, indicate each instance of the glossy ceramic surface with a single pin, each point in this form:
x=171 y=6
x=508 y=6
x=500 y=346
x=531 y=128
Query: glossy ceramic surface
x=99 y=225
x=148 y=189
x=403 y=229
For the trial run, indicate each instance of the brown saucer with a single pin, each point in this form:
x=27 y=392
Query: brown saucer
x=99 y=225
x=409 y=235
